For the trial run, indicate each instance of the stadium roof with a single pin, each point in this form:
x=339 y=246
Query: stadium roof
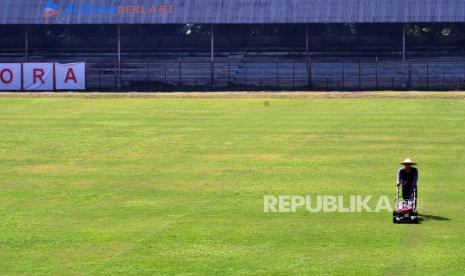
x=228 y=11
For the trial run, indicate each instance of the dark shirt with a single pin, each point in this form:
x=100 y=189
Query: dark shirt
x=408 y=178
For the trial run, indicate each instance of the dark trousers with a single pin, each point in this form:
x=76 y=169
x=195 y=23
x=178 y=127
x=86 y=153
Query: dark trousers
x=407 y=191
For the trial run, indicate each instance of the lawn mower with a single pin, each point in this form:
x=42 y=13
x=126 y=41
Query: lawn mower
x=406 y=210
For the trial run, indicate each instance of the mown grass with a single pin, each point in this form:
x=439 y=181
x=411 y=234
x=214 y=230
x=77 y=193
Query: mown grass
x=176 y=186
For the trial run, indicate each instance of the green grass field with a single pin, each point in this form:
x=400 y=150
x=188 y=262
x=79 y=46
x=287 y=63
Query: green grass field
x=176 y=186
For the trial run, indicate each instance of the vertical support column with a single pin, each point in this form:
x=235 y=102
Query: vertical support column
x=118 y=80
x=212 y=56
x=404 y=52
x=307 y=56
x=26 y=43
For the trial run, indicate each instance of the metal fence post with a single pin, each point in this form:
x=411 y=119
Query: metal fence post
x=293 y=75
x=343 y=75
x=310 y=72
x=148 y=75
x=409 y=79
x=99 y=79
x=179 y=72
x=404 y=39
x=359 y=75
x=212 y=76
x=277 y=75
x=118 y=81
x=164 y=76
x=245 y=75
x=443 y=79
x=307 y=56
x=115 y=81
x=229 y=73
x=212 y=57
x=427 y=75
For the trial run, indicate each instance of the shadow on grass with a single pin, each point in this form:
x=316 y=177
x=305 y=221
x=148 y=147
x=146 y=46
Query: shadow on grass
x=424 y=217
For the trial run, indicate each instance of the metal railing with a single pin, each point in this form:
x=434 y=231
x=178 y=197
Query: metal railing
x=278 y=75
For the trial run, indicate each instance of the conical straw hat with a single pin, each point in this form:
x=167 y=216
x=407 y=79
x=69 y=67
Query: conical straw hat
x=408 y=161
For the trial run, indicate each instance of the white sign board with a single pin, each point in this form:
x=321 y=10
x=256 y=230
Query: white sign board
x=10 y=76
x=38 y=76
x=70 y=76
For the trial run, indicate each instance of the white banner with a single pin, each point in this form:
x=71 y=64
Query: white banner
x=70 y=76
x=38 y=76
x=10 y=76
